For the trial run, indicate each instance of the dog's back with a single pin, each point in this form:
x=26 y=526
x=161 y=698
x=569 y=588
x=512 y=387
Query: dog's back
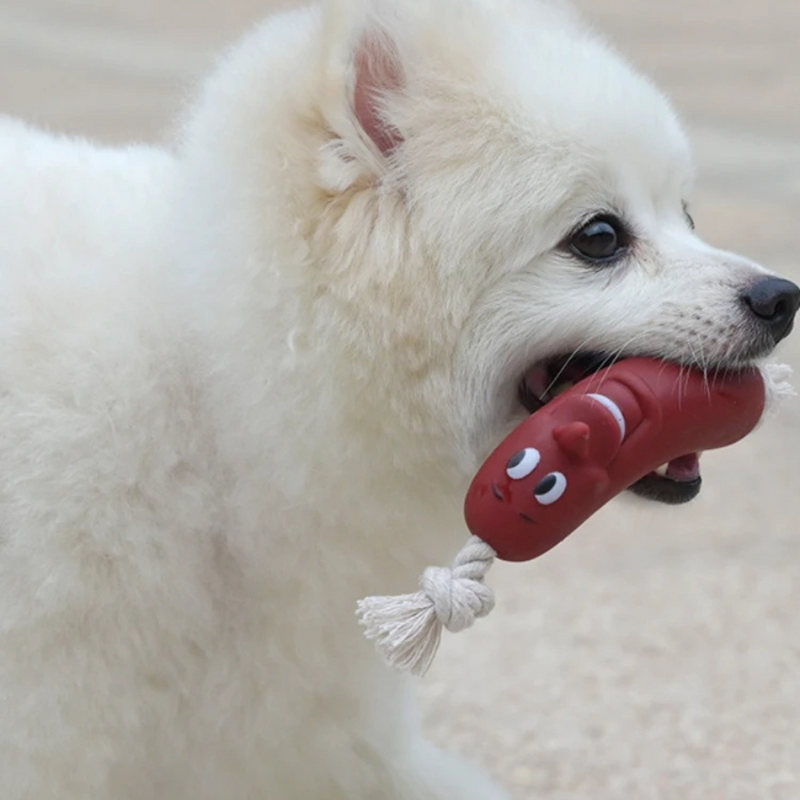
x=98 y=442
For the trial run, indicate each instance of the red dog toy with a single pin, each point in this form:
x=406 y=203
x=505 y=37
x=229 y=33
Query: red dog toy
x=599 y=438
x=605 y=434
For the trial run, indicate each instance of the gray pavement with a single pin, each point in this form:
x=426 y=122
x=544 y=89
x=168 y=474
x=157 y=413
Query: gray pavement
x=656 y=654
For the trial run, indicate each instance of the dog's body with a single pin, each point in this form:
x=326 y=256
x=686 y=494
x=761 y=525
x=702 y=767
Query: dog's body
x=246 y=383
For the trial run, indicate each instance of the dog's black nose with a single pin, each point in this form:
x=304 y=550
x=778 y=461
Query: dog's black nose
x=775 y=302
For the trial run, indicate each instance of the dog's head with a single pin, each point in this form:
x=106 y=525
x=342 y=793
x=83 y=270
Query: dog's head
x=497 y=203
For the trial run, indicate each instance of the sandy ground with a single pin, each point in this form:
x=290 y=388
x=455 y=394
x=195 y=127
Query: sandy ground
x=656 y=654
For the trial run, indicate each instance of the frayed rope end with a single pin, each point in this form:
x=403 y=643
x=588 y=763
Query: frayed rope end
x=404 y=628
x=407 y=628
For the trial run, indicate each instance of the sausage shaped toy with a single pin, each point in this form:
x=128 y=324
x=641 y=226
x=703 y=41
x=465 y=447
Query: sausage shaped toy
x=607 y=433
x=600 y=437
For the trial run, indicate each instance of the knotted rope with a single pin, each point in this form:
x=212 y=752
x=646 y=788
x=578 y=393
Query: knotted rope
x=407 y=628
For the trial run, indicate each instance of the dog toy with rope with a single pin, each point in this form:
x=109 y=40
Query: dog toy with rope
x=607 y=433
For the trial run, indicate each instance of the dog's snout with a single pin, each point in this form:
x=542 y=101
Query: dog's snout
x=774 y=301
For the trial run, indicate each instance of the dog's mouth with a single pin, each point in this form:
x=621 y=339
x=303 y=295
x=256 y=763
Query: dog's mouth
x=674 y=483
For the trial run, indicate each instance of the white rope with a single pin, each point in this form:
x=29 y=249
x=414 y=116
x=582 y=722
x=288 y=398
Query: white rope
x=407 y=628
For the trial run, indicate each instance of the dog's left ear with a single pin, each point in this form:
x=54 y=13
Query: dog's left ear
x=362 y=73
x=377 y=74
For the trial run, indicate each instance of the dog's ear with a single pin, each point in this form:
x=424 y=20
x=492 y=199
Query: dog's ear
x=362 y=72
x=377 y=73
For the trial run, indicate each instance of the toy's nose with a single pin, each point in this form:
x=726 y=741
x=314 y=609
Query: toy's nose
x=774 y=302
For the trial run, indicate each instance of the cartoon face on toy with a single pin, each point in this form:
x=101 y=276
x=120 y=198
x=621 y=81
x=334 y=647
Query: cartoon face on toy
x=600 y=437
x=543 y=477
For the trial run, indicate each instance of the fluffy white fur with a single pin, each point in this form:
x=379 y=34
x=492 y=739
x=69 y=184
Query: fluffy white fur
x=245 y=382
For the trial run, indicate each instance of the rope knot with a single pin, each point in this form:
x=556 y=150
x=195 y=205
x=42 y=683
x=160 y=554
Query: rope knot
x=458 y=601
x=407 y=628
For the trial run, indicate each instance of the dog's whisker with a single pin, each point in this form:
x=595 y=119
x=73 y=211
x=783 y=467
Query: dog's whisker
x=701 y=361
x=615 y=356
x=570 y=358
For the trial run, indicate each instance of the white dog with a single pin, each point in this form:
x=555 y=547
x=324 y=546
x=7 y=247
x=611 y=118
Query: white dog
x=245 y=382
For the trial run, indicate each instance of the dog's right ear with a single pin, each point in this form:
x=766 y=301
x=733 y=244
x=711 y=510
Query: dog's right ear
x=362 y=73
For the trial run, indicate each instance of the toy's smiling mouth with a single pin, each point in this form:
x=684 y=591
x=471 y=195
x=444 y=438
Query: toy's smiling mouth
x=674 y=483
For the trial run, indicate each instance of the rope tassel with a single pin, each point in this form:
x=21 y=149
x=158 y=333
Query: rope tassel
x=407 y=628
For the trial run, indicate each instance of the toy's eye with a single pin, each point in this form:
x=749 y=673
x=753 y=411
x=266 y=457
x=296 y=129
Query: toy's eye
x=551 y=488
x=521 y=464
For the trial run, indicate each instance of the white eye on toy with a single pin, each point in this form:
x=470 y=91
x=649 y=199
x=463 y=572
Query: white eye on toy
x=550 y=488
x=521 y=464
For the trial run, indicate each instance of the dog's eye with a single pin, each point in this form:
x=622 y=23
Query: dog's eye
x=602 y=239
x=551 y=488
x=521 y=464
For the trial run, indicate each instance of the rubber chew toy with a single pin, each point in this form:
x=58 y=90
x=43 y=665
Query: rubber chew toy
x=561 y=465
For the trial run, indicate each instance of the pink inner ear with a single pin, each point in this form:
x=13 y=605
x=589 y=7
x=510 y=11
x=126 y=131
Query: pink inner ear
x=378 y=72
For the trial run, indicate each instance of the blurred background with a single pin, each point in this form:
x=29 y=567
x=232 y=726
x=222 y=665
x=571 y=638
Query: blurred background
x=656 y=653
